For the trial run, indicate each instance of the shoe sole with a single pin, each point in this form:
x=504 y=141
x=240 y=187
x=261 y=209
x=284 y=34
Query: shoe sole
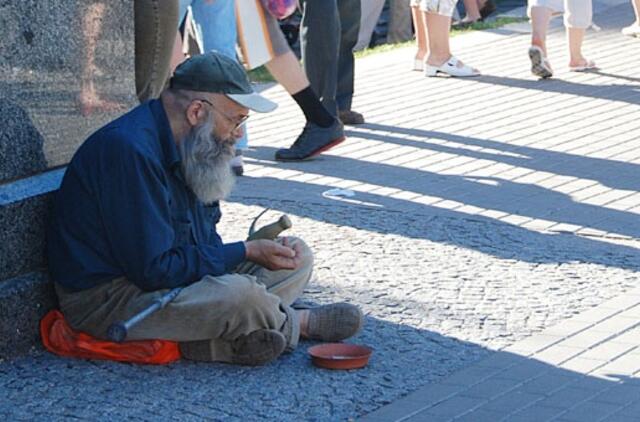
x=537 y=64
x=316 y=152
x=259 y=347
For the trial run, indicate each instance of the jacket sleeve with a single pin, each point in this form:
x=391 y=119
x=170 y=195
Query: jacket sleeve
x=135 y=208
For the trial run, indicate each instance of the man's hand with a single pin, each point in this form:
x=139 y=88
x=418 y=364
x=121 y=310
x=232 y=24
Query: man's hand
x=273 y=255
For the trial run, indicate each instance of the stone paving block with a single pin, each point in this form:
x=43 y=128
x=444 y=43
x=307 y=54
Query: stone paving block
x=512 y=401
x=525 y=371
x=556 y=354
x=491 y=388
x=501 y=360
x=621 y=394
x=608 y=350
x=585 y=339
x=549 y=381
x=535 y=343
x=567 y=397
x=597 y=314
x=455 y=406
x=478 y=416
x=418 y=401
x=616 y=324
x=534 y=413
x=582 y=365
x=589 y=411
x=473 y=375
x=567 y=328
x=624 y=366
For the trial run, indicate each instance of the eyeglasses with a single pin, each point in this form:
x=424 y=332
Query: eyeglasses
x=235 y=122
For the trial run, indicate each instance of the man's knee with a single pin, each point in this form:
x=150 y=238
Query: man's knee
x=305 y=251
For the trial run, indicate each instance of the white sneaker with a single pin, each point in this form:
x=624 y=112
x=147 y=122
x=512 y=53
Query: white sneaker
x=632 y=30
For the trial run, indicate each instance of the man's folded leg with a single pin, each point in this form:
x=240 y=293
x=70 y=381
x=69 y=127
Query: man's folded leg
x=224 y=311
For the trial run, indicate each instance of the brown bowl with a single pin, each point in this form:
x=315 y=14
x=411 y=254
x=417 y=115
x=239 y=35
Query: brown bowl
x=339 y=355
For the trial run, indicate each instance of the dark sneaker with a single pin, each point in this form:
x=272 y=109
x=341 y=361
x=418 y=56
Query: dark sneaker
x=350 y=117
x=256 y=348
x=312 y=141
x=334 y=322
x=486 y=10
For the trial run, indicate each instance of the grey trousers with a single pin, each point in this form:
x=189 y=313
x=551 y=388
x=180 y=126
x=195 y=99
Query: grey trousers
x=156 y=23
x=328 y=34
x=216 y=309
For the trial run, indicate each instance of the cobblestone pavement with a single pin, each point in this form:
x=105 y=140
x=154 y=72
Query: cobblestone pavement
x=485 y=211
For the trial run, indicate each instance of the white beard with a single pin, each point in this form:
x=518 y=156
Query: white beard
x=206 y=163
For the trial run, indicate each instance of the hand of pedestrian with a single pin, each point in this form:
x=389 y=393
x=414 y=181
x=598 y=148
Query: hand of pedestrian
x=272 y=255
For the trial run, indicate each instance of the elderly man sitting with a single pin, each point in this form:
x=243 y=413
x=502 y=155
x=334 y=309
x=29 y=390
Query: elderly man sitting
x=136 y=215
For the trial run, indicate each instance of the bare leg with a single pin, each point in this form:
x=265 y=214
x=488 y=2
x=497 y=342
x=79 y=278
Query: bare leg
x=177 y=56
x=438 y=38
x=287 y=71
x=575 y=37
x=421 y=33
x=540 y=17
x=636 y=8
x=472 y=10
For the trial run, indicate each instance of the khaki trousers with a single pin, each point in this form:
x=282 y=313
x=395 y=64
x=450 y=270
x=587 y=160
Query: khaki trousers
x=156 y=27
x=217 y=309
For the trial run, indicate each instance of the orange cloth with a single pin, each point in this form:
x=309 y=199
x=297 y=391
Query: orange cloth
x=59 y=338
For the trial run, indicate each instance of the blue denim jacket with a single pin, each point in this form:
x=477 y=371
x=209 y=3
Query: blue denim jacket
x=123 y=209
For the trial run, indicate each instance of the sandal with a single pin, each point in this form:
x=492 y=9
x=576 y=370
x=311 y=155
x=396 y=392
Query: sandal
x=539 y=64
x=632 y=30
x=451 y=68
x=589 y=65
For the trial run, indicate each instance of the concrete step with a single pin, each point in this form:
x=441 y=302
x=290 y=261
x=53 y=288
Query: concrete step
x=24 y=208
x=23 y=302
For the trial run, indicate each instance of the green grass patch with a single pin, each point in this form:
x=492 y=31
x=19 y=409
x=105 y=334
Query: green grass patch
x=261 y=74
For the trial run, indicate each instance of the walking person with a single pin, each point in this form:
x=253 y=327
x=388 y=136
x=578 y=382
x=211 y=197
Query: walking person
x=432 y=20
x=633 y=30
x=577 y=18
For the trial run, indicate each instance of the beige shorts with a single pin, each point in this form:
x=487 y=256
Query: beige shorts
x=441 y=7
x=259 y=34
x=577 y=13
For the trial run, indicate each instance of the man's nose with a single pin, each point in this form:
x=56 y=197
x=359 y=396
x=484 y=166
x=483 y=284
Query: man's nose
x=238 y=132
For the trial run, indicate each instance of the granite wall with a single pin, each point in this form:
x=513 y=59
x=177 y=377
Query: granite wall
x=66 y=68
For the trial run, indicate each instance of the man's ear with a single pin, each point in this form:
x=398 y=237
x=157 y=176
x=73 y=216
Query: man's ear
x=195 y=113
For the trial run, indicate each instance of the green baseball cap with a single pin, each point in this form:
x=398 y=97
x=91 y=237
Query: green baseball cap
x=215 y=72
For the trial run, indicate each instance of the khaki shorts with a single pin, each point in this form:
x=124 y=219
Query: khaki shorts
x=441 y=7
x=577 y=13
x=259 y=34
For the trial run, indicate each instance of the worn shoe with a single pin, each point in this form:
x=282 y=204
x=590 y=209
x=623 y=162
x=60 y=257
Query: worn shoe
x=256 y=348
x=312 y=141
x=334 y=322
x=539 y=64
x=350 y=117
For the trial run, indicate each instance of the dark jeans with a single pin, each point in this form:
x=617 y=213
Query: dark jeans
x=328 y=33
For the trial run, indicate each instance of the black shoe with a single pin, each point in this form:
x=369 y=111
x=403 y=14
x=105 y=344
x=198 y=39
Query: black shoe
x=312 y=141
x=350 y=117
x=488 y=8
